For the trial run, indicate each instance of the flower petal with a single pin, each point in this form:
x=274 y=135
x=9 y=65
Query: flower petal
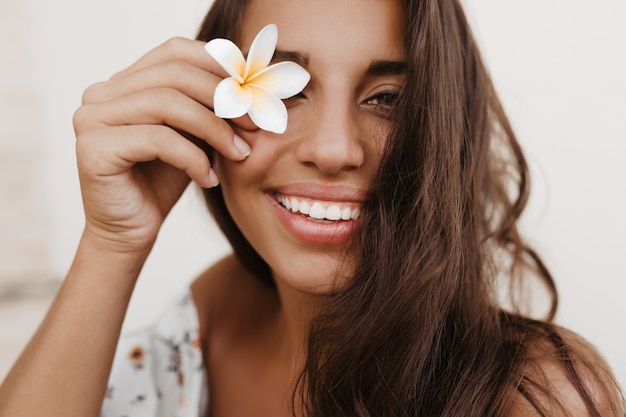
x=231 y=99
x=228 y=56
x=284 y=79
x=262 y=50
x=267 y=111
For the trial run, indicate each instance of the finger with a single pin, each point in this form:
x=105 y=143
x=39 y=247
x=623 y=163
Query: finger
x=168 y=107
x=179 y=75
x=245 y=123
x=177 y=49
x=112 y=150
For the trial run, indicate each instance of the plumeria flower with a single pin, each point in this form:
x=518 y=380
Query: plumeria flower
x=254 y=87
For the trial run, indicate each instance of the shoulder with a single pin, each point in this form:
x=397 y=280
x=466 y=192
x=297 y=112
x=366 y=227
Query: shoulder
x=562 y=374
x=228 y=296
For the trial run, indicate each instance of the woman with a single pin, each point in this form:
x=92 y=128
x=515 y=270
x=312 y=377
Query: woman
x=389 y=312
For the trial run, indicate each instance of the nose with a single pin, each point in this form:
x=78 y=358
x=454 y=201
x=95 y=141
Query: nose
x=333 y=141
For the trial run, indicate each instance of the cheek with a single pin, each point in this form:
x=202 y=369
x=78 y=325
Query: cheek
x=378 y=132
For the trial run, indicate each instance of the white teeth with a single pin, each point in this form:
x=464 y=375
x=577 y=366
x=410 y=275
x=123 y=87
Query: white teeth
x=295 y=205
x=317 y=210
x=333 y=213
x=304 y=208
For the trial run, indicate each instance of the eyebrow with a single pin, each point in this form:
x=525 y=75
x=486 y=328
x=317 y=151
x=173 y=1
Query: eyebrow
x=377 y=67
x=299 y=58
x=380 y=67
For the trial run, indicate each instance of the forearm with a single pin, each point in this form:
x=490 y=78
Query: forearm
x=65 y=367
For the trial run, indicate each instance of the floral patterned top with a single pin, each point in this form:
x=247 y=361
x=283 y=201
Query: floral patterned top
x=159 y=371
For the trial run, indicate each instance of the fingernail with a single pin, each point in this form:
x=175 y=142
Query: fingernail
x=241 y=146
x=213 y=180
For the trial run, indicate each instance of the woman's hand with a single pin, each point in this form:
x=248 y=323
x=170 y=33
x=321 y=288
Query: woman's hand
x=134 y=159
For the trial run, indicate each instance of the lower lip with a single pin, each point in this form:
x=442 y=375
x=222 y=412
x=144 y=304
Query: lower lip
x=309 y=231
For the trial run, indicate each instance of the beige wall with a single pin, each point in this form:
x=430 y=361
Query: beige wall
x=24 y=251
x=558 y=65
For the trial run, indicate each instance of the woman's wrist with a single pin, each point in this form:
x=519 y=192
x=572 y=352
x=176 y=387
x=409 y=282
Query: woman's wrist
x=120 y=258
x=128 y=243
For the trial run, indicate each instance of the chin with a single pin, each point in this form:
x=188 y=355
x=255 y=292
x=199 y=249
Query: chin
x=322 y=278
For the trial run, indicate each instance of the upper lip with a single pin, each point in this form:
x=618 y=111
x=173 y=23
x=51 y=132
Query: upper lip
x=324 y=192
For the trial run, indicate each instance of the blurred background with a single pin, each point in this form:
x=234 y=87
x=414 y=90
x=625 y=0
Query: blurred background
x=558 y=65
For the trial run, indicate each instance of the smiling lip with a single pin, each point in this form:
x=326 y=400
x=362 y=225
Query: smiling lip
x=312 y=224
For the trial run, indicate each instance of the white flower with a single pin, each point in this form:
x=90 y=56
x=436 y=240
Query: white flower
x=254 y=87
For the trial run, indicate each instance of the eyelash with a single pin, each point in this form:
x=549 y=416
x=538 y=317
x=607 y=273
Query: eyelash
x=291 y=100
x=385 y=101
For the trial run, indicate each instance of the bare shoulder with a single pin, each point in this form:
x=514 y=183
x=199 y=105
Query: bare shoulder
x=227 y=295
x=565 y=375
x=211 y=287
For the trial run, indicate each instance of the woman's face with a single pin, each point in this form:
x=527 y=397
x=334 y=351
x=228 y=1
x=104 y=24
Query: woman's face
x=354 y=51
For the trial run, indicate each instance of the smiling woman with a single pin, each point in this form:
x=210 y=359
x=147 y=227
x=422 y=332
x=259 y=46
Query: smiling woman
x=371 y=231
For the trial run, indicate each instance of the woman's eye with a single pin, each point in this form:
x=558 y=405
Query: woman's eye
x=384 y=101
x=293 y=99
